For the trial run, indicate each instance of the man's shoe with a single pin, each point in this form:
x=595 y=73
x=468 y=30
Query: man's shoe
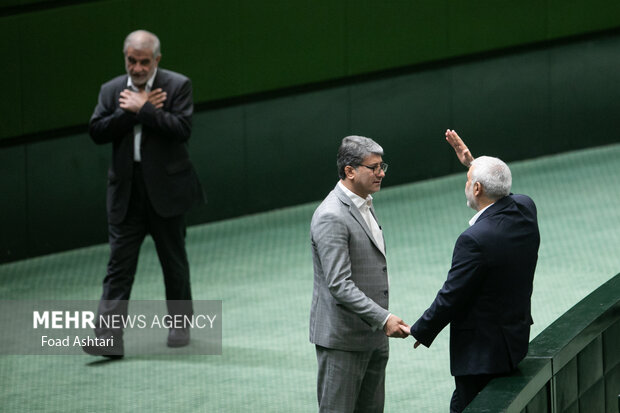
x=178 y=337
x=113 y=352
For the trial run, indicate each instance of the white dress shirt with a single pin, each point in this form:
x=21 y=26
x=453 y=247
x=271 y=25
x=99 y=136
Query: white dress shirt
x=364 y=206
x=137 y=129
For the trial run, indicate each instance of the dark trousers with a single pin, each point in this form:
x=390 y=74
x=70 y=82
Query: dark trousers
x=351 y=381
x=125 y=241
x=467 y=388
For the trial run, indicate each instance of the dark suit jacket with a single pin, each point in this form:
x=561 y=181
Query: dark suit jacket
x=171 y=182
x=486 y=297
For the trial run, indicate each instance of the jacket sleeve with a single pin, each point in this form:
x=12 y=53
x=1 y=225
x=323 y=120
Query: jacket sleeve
x=464 y=278
x=109 y=122
x=330 y=235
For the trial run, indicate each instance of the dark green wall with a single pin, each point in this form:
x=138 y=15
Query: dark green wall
x=57 y=57
x=271 y=151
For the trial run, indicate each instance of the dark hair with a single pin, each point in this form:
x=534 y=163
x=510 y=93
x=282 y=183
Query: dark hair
x=353 y=150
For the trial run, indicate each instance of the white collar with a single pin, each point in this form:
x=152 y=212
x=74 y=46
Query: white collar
x=357 y=200
x=473 y=220
x=149 y=83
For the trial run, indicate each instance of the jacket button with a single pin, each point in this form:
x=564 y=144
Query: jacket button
x=385 y=293
x=384 y=269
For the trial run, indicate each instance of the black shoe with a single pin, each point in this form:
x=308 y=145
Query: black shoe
x=178 y=337
x=113 y=352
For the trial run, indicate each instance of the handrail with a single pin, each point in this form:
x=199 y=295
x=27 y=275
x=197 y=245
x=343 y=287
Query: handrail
x=549 y=352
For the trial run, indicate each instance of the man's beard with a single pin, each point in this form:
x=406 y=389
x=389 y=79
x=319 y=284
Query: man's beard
x=471 y=200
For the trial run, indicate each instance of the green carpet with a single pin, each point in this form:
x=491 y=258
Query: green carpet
x=261 y=268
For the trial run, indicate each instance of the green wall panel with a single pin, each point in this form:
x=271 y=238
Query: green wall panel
x=66 y=193
x=384 y=35
x=275 y=152
x=612 y=384
x=540 y=402
x=217 y=149
x=11 y=104
x=584 y=81
x=611 y=344
x=593 y=400
x=408 y=116
x=481 y=25
x=287 y=43
x=63 y=63
x=569 y=17
x=13 y=3
x=199 y=39
x=14 y=204
x=291 y=147
x=590 y=367
x=501 y=105
x=239 y=47
x=8 y=3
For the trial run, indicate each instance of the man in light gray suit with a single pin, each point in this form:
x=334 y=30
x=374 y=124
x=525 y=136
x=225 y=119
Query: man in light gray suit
x=349 y=319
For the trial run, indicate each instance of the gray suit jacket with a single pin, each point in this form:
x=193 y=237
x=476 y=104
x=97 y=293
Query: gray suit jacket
x=350 y=298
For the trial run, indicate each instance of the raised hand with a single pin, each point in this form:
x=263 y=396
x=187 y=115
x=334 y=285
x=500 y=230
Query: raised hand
x=461 y=150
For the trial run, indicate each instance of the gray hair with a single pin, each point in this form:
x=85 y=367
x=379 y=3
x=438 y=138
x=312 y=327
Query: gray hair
x=353 y=150
x=141 y=39
x=494 y=176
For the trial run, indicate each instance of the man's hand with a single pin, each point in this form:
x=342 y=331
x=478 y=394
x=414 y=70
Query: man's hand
x=133 y=101
x=157 y=98
x=462 y=152
x=407 y=330
x=395 y=327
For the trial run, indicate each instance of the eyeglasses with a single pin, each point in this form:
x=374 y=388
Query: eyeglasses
x=376 y=168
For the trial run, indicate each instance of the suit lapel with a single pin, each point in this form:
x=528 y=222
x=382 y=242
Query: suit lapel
x=158 y=81
x=496 y=207
x=353 y=210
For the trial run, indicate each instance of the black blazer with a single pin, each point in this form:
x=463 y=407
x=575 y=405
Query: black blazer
x=486 y=297
x=170 y=178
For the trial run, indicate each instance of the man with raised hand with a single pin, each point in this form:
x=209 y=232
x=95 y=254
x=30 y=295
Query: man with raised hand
x=486 y=297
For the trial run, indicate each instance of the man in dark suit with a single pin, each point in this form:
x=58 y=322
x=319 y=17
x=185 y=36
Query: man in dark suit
x=349 y=317
x=147 y=116
x=486 y=297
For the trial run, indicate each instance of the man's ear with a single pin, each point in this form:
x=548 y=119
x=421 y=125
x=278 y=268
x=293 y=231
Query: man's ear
x=477 y=189
x=349 y=171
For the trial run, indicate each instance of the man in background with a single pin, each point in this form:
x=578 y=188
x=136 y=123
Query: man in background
x=349 y=317
x=146 y=115
x=486 y=297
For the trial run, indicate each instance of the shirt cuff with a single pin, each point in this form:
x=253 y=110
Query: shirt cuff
x=385 y=321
